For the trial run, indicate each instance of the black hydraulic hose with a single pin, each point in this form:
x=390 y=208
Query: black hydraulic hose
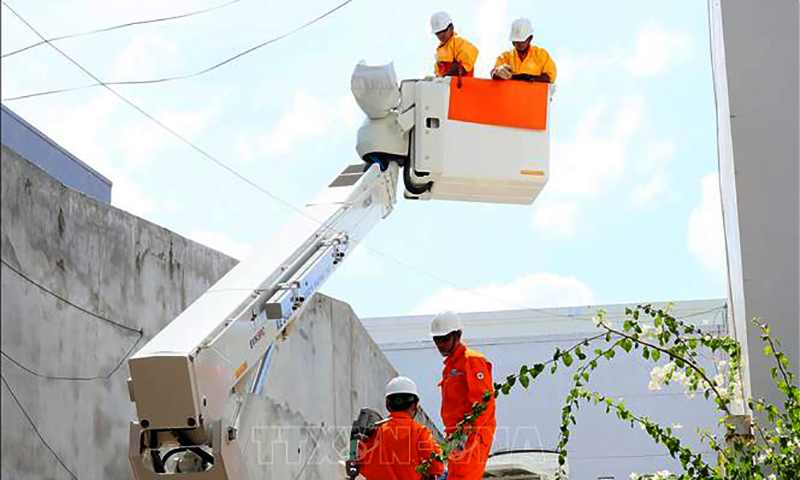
x=410 y=185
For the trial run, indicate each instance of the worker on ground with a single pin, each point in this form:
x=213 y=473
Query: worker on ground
x=467 y=375
x=524 y=61
x=401 y=444
x=454 y=55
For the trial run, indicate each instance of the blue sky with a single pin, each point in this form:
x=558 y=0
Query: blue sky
x=631 y=213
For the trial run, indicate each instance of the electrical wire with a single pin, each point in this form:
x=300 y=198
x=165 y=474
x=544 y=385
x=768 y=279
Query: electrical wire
x=35 y=428
x=74 y=378
x=117 y=27
x=217 y=65
x=60 y=297
x=230 y=169
x=271 y=195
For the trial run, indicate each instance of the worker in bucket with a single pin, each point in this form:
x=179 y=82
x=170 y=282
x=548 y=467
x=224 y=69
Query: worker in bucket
x=524 y=61
x=454 y=55
x=466 y=377
x=401 y=444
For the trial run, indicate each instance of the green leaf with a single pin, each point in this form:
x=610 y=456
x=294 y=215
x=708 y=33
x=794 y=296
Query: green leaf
x=580 y=354
x=656 y=354
x=567 y=358
x=506 y=388
x=537 y=369
x=524 y=380
x=626 y=345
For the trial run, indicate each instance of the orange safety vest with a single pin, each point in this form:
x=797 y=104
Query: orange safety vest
x=466 y=376
x=444 y=67
x=397 y=448
x=458 y=50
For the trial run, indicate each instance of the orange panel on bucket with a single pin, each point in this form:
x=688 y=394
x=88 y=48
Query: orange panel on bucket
x=509 y=103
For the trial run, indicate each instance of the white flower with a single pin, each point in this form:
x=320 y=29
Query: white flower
x=601 y=320
x=633 y=476
x=676 y=426
x=719 y=379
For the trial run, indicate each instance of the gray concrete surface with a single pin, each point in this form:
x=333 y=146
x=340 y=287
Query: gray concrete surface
x=755 y=55
x=102 y=259
x=141 y=275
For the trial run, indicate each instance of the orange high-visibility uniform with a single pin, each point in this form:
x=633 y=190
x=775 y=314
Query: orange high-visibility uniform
x=467 y=375
x=536 y=62
x=456 y=50
x=397 y=448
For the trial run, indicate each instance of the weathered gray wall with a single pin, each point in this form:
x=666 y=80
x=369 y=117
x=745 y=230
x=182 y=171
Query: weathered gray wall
x=109 y=262
x=142 y=276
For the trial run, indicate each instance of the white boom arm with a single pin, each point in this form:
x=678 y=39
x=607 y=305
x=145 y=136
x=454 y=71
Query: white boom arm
x=188 y=382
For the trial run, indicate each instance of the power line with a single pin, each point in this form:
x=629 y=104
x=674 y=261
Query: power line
x=230 y=169
x=228 y=60
x=240 y=176
x=60 y=297
x=36 y=429
x=75 y=378
x=117 y=27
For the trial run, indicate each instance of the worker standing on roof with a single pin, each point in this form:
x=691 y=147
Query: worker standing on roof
x=524 y=61
x=466 y=377
x=454 y=55
x=401 y=444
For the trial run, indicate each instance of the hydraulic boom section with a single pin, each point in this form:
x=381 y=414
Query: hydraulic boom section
x=189 y=381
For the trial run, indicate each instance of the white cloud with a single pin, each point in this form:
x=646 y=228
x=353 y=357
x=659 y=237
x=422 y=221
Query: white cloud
x=221 y=242
x=705 y=237
x=645 y=194
x=141 y=140
x=539 y=290
x=657 y=156
x=308 y=117
x=585 y=68
x=79 y=129
x=657 y=49
x=144 y=56
x=593 y=160
x=130 y=196
x=492 y=25
x=555 y=218
x=629 y=116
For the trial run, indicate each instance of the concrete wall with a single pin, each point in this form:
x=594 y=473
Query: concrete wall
x=140 y=275
x=108 y=262
x=755 y=53
x=38 y=148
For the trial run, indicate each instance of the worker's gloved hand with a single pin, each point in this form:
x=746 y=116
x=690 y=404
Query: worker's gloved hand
x=503 y=72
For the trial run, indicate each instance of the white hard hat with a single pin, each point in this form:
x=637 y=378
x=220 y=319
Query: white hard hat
x=521 y=29
x=401 y=385
x=440 y=21
x=445 y=322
